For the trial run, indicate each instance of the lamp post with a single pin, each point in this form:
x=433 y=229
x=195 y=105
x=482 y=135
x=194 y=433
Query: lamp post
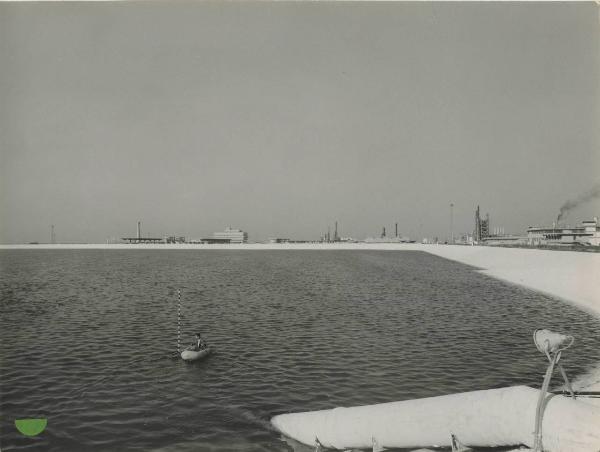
x=452 y=223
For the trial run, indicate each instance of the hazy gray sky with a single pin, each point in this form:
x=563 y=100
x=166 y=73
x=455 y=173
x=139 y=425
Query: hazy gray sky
x=282 y=118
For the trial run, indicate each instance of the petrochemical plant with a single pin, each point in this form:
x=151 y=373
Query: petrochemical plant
x=585 y=234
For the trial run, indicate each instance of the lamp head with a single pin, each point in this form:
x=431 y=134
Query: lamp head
x=548 y=341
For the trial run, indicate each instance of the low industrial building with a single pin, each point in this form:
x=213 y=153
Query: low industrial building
x=587 y=233
x=173 y=239
x=143 y=239
x=278 y=240
x=504 y=240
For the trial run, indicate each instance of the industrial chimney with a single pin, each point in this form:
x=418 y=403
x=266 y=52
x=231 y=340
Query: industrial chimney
x=139 y=230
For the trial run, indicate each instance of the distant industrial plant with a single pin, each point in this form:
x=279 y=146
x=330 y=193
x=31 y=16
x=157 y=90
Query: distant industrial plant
x=585 y=234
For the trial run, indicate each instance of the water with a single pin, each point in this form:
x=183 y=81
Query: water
x=88 y=340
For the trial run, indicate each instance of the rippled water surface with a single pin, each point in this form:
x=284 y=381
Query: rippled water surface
x=87 y=341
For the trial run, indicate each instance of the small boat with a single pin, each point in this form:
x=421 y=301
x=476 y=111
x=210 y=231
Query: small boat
x=195 y=355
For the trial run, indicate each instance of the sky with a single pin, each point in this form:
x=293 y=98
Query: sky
x=282 y=118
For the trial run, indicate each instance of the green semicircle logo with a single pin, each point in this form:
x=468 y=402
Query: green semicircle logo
x=31 y=427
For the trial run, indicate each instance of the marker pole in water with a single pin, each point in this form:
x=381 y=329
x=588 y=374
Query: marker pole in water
x=178 y=320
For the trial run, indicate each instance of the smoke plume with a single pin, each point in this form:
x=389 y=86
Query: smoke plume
x=593 y=193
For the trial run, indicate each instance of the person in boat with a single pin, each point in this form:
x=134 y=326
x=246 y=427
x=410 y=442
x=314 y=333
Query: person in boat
x=200 y=343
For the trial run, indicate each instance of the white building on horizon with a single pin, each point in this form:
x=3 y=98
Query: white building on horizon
x=587 y=233
x=233 y=235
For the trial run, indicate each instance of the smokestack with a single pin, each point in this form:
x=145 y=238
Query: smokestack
x=335 y=234
x=396 y=230
x=139 y=230
x=52 y=236
x=383 y=233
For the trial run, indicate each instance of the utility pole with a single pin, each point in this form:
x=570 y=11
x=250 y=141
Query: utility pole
x=452 y=223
